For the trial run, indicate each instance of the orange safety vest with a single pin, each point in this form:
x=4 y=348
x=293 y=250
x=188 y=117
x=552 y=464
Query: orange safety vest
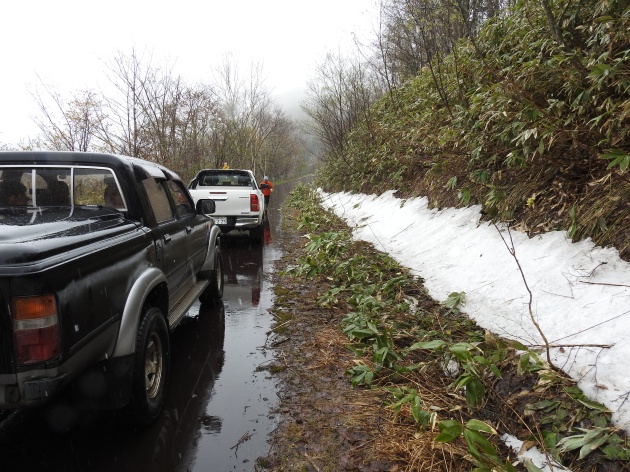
x=266 y=186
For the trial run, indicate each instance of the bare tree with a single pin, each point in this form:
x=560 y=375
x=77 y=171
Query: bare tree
x=157 y=116
x=415 y=32
x=255 y=133
x=198 y=121
x=126 y=133
x=67 y=124
x=151 y=113
x=340 y=94
x=279 y=148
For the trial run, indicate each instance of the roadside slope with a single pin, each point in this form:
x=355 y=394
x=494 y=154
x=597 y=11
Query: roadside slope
x=348 y=316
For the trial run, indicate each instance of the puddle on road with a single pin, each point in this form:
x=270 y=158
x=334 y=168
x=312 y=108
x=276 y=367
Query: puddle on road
x=238 y=414
x=233 y=431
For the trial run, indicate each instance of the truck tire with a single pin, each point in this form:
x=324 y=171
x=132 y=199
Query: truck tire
x=151 y=366
x=214 y=292
x=256 y=234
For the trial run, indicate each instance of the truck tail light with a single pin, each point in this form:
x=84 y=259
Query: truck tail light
x=254 y=204
x=35 y=328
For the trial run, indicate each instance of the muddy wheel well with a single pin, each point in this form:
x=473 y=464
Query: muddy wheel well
x=158 y=297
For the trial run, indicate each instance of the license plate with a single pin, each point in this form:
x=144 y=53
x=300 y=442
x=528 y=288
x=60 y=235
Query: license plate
x=220 y=220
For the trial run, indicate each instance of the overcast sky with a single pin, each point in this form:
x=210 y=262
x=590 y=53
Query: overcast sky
x=67 y=42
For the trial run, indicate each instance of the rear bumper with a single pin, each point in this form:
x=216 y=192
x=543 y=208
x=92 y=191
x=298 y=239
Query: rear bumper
x=40 y=390
x=240 y=222
x=103 y=386
x=246 y=223
x=31 y=392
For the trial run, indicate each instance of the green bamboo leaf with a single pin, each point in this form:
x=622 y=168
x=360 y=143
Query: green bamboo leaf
x=416 y=410
x=424 y=417
x=571 y=442
x=517 y=345
x=372 y=327
x=463 y=380
x=435 y=344
x=523 y=364
x=406 y=399
x=475 y=392
x=369 y=377
x=444 y=424
x=361 y=333
x=477 y=425
x=617 y=157
x=452 y=183
x=550 y=439
x=593 y=443
x=449 y=430
x=530 y=466
x=481 y=360
x=462 y=350
x=545 y=405
x=599 y=70
x=476 y=440
x=594 y=405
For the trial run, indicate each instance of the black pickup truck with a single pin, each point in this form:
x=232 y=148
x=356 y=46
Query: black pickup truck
x=101 y=256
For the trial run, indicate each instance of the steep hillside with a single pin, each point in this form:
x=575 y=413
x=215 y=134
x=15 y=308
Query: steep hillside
x=530 y=119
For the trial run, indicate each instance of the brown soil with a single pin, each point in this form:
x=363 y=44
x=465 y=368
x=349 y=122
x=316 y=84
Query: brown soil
x=327 y=425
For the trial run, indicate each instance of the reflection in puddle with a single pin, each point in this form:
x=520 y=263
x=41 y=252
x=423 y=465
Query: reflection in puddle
x=211 y=424
x=243 y=395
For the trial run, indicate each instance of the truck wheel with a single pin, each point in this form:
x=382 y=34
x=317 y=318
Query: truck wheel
x=256 y=234
x=151 y=366
x=214 y=292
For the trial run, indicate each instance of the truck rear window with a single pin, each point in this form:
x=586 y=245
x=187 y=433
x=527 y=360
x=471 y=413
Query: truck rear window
x=41 y=186
x=224 y=179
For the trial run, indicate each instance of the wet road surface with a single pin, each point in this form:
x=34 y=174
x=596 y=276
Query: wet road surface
x=218 y=410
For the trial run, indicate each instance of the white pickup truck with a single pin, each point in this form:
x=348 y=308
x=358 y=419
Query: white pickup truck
x=239 y=201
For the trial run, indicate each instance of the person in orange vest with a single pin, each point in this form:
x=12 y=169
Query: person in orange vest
x=266 y=187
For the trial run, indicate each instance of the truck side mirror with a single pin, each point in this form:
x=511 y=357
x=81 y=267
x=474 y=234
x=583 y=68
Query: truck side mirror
x=205 y=206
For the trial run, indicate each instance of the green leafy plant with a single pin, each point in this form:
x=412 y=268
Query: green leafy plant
x=386 y=332
x=455 y=300
x=422 y=416
x=452 y=183
x=617 y=157
x=516 y=106
x=360 y=374
x=494 y=197
x=473 y=364
x=586 y=442
x=483 y=452
x=464 y=196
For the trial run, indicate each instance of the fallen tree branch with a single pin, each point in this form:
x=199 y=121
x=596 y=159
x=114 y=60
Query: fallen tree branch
x=593 y=326
x=279 y=326
x=512 y=250
x=603 y=283
x=244 y=437
x=280 y=341
x=604 y=346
